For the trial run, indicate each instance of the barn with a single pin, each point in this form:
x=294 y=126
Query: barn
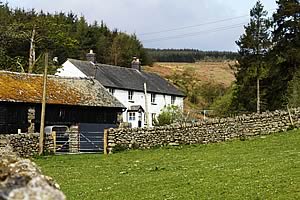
x=70 y=101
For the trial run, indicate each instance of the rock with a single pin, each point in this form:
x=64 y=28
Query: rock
x=173 y=144
x=22 y=179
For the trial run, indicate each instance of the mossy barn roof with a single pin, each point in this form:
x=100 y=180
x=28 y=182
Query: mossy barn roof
x=28 y=88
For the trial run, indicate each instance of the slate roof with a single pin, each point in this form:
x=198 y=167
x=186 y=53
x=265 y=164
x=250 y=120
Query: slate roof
x=126 y=78
x=21 y=87
x=136 y=108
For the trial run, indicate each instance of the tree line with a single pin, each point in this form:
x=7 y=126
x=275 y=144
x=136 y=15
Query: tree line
x=268 y=69
x=189 y=55
x=26 y=34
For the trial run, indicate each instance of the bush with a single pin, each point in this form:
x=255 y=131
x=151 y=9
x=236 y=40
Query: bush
x=222 y=106
x=169 y=115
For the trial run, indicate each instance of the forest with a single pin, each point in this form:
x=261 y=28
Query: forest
x=189 y=55
x=25 y=35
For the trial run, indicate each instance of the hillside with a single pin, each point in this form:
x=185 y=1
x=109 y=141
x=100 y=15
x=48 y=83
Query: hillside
x=203 y=82
x=217 y=72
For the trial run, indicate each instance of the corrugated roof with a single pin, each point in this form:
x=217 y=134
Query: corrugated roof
x=126 y=78
x=21 y=87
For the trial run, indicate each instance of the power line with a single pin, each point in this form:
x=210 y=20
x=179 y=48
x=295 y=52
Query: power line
x=197 y=25
x=192 y=26
x=195 y=33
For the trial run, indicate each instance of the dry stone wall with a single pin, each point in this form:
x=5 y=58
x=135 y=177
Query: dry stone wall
x=213 y=130
x=26 y=144
x=22 y=179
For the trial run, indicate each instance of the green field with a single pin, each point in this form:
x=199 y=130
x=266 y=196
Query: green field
x=258 y=168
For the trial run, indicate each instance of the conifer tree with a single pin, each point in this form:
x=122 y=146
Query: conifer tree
x=285 y=53
x=251 y=68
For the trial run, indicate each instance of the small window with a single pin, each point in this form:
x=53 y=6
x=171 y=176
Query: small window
x=130 y=95
x=62 y=113
x=153 y=117
x=153 y=96
x=173 y=99
x=111 y=90
x=131 y=116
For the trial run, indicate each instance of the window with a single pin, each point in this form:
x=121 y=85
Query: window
x=153 y=117
x=173 y=99
x=153 y=96
x=130 y=95
x=62 y=113
x=111 y=90
x=131 y=116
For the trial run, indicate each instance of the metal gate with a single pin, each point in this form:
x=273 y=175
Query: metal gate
x=91 y=141
x=92 y=137
x=62 y=142
x=88 y=139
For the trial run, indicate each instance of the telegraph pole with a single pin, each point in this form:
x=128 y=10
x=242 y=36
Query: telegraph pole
x=41 y=141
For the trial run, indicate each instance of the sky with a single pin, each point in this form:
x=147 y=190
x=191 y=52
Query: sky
x=198 y=24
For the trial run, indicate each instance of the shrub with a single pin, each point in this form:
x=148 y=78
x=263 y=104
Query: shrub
x=169 y=115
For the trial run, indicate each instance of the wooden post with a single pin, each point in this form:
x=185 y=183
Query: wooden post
x=41 y=141
x=146 y=105
x=54 y=141
x=105 y=142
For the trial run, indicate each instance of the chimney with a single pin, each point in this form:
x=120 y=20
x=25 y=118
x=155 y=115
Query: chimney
x=91 y=56
x=136 y=64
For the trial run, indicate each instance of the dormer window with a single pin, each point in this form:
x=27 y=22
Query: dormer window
x=153 y=98
x=130 y=95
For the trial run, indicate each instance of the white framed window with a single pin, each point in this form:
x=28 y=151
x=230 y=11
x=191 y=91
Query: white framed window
x=111 y=90
x=130 y=95
x=153 y=97
x=131 y=116
x=173 y=99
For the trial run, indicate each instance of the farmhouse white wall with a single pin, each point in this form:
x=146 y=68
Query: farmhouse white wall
x=138 y=98
x=69 y=70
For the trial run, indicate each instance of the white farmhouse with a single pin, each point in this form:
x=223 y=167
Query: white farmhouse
x=127 y=85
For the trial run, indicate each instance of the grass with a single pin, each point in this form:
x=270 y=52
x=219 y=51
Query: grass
x=258 y=168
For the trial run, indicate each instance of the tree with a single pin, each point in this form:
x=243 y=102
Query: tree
x=123 y=48
x=26 y=35
x=285 y=53
x=169 y=114
x=253 y=48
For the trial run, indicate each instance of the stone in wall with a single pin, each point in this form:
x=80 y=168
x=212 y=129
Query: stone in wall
x=31 y=118
x=21 y=179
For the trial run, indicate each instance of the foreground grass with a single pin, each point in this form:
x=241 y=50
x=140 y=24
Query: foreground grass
x=260 y=168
